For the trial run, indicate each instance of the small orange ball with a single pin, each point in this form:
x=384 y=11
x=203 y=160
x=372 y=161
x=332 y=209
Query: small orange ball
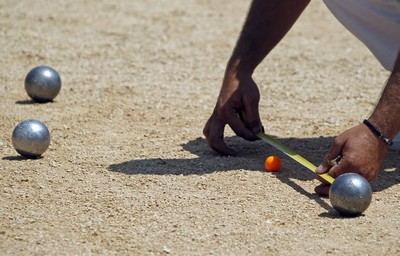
x=273 y=164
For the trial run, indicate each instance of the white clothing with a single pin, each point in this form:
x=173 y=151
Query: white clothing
x=375 y=22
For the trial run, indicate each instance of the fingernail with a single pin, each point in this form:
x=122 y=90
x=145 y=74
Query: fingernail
x=320 y=169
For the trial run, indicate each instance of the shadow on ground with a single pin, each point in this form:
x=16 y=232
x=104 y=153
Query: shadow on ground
x=19 y=158
x=251 y=156
x=32 y=102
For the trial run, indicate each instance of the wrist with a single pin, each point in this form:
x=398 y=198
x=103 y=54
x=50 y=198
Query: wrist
x=239 y=67
x=377 y=132
x=386 y=123
x=386 y=114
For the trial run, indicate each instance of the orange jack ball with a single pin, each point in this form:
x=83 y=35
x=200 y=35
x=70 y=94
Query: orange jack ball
x=273 y=164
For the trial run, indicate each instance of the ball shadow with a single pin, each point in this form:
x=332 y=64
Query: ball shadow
x=333 y=214
x=32 y=102
x=20 y=158
x=25 y=102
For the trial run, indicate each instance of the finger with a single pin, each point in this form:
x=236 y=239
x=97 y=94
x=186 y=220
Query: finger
x=322 y=180
x=253 y=120
x=342 y=167
x=334 y=171
x=239 y=127
x=207 y=127
x=322 y=189
x=214 y=132
x=333 y=152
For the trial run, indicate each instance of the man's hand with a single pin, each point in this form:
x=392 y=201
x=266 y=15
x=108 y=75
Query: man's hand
x=361 y=152
x=266 y=24
x=239 y=94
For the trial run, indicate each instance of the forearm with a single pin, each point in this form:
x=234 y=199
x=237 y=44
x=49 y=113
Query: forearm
x=267 y=23
x=386 y=115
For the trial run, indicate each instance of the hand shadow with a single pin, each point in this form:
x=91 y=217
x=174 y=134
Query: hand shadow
x=389 y=174
x=251 y=157
x=207 y=161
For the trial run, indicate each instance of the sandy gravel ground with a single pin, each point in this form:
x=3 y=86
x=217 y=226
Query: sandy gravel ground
x=128 y=171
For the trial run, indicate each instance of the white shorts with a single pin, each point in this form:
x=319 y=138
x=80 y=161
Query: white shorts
x=375 y=22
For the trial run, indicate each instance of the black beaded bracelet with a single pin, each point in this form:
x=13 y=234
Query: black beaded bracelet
x=377 y=132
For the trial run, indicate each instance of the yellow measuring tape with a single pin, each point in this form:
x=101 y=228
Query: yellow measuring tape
x=294 y=156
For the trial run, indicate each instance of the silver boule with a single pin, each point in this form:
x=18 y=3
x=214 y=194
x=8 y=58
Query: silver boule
x=42 y=84
x=350 y=194
x=31 y=138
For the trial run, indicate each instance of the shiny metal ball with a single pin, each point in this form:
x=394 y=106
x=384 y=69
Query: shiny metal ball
x=350 y=194
x=31 y=138
x=42 y=84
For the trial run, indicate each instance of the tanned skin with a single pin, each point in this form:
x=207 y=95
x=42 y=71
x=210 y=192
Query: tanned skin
x=266 y=24
x=361 y=150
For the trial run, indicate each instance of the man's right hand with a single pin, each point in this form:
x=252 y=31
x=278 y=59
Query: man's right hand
x=239 y=94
